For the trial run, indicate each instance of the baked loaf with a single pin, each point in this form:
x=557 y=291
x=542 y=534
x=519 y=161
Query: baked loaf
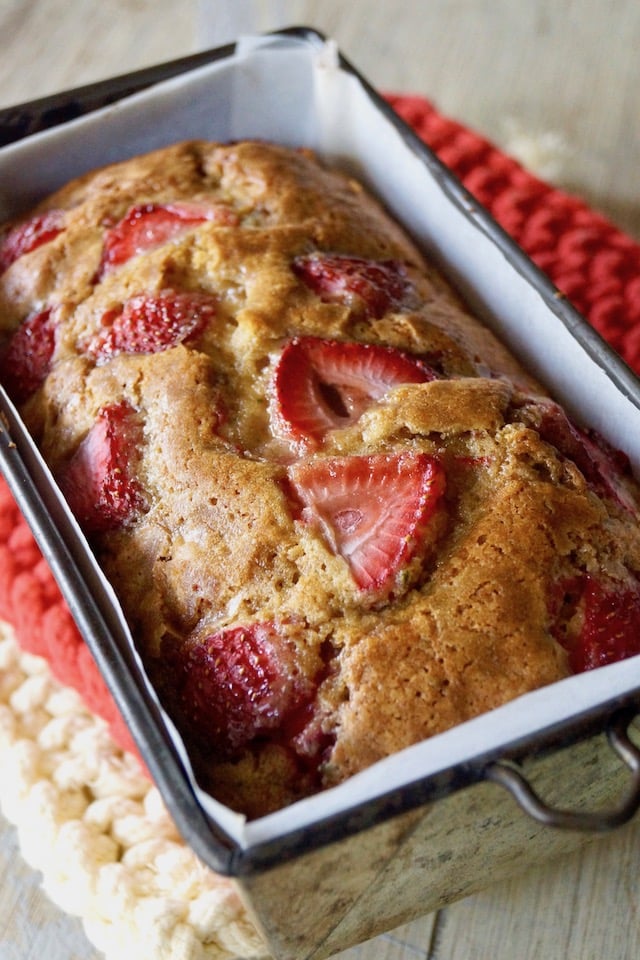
x=340 y=517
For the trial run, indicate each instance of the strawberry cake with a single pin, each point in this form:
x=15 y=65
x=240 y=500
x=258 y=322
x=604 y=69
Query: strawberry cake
x=340 y=517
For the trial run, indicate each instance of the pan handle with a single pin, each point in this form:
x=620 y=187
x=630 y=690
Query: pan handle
x=508 y=776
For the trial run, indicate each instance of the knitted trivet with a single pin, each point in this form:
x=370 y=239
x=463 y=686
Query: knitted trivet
x=87 y=816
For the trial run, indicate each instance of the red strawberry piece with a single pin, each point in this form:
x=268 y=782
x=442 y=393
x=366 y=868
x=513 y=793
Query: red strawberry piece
x=373 y=287
x=99 y=482
x=372 y=510
x=602 y=467
x=151 y=324
x=236 y=685
x=152 y=224
x=26 y=360
x=601 y=623
x=321 y=385
x=26 y=236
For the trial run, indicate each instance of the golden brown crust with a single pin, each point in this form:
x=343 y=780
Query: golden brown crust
x=223 y=540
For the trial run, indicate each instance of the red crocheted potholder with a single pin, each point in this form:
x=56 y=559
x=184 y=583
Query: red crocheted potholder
x=592 y=262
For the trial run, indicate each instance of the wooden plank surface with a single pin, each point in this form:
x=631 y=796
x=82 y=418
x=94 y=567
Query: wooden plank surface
x=556 y=84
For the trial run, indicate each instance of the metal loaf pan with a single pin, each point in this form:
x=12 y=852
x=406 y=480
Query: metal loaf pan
x=432 y=824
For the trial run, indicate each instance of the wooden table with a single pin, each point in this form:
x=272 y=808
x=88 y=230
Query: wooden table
x=556 y=85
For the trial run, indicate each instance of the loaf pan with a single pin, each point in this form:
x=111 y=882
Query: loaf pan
x=433 y=823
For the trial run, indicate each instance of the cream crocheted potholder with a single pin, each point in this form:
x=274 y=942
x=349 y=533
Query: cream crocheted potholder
x=92 y=823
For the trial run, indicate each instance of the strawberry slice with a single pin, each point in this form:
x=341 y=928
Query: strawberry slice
x=25 y=237
x=236 y=685
x=99 y=481
x=321 y=385
x=146 y=324
x=371 y=287
x=372 y=510
x=152 y=224
x=602 y=467
x=26 y=360
x=597 y=624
